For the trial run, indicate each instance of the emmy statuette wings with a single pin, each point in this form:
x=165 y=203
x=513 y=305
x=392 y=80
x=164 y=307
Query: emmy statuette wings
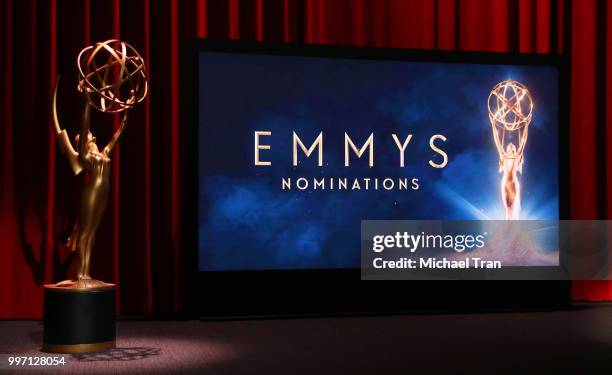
x=63 y=139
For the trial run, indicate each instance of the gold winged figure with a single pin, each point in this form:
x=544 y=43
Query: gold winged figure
x=113 y=79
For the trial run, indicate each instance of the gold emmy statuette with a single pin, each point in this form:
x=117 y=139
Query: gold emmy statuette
x=510 y=109
x=79 y=314
x=113 y=79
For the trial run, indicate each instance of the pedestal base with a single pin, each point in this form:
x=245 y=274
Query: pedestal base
x=78 y=320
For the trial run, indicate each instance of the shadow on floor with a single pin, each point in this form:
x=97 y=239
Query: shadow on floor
x=119 y=354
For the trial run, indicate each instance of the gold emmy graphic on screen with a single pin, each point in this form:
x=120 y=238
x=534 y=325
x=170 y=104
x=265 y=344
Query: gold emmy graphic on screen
x=112 y=79
x=510 y=110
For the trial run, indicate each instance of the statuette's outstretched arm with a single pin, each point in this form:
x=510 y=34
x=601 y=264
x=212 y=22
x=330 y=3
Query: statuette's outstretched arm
x=523 y=141
x=111 y=144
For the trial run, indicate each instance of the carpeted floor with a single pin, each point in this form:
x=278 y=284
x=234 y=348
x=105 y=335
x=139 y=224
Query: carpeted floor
x=575 y=341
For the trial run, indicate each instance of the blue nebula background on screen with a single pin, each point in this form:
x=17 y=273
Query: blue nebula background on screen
x=248 y=222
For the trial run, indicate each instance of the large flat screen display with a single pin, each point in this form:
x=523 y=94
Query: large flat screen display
x=294 y=151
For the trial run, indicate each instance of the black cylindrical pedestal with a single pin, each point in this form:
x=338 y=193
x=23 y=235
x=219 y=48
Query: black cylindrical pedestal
x=78 y=320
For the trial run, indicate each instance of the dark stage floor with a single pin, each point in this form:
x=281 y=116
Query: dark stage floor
x=577 y=341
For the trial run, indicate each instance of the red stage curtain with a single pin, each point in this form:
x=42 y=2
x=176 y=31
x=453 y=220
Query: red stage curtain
x=139 y=242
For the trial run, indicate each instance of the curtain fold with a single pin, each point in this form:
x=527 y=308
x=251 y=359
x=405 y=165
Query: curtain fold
x=139 y=241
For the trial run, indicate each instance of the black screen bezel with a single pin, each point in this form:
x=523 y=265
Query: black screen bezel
x=223 y=294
